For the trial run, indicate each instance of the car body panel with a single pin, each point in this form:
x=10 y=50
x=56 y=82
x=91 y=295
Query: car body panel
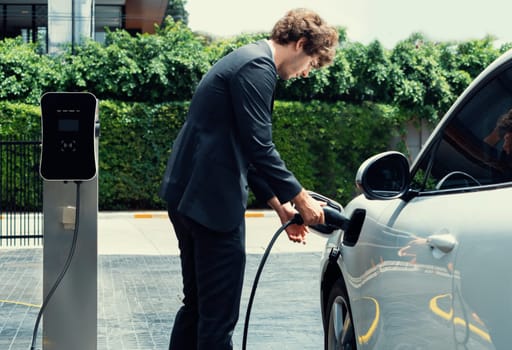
x=401 y=268
x=430 y=267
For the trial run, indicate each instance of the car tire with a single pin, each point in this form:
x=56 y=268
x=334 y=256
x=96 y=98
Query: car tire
x=339 y=331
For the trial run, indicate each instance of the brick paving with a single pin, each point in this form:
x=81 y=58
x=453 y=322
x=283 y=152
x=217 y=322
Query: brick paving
x=138 y=296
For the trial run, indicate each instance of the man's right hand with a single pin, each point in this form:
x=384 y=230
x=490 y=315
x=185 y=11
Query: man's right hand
x=309 y=209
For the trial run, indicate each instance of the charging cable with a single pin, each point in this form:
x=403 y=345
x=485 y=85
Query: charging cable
x=297 y=219
x=64 y=270
x=334 y=220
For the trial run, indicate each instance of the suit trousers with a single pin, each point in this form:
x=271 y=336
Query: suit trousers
x=212 y=265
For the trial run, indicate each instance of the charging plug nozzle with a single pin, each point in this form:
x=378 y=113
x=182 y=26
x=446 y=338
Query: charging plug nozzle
x=297 y=219
x=334 y=220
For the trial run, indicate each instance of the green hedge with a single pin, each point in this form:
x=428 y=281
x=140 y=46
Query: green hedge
x=323 y=144
x=134 y=144
x=19 y=123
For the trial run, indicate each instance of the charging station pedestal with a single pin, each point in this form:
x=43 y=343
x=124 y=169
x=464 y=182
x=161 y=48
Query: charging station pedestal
x=70 y=132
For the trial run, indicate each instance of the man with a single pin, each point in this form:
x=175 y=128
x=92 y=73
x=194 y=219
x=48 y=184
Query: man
x=502 y=131
x=224 y=147
x=501 y=163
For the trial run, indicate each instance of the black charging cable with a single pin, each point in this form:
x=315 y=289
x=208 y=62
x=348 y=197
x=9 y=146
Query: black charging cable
x=297 y=219
x=64 y=270
x=334 y=220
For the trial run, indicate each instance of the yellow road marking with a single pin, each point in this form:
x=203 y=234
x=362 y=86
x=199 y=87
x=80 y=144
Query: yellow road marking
x=254 y=215
x=437 y=310
x=150 y=216
x=457 y=320
x=18 y=303
x=165 y=216
x=365 y=338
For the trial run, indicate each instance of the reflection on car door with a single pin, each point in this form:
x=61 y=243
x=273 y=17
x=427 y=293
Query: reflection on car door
x=469 y=166
x=410 y=273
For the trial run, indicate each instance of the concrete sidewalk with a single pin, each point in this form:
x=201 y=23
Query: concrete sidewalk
x=151 y=233
x=139 y=287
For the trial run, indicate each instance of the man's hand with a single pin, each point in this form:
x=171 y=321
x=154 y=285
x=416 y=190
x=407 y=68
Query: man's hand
x=310 y=209
x=296 y=233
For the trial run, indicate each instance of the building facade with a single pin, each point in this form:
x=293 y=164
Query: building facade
x=51 y=23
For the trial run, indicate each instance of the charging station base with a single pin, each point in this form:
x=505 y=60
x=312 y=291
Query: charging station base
x=70 y=320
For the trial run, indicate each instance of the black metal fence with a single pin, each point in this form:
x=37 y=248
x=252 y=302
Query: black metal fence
x=21 y=194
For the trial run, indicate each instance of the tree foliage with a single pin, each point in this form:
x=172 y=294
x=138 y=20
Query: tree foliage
x=176 y=10
x=24 y=73
x=417 y=74
x=165 y=66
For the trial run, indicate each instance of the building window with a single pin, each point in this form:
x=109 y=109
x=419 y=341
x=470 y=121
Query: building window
x=41 y=27
x=110 y=17
x=30 y=21
x=2 y=22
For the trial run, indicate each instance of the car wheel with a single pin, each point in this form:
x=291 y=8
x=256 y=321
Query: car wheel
x=339 y=333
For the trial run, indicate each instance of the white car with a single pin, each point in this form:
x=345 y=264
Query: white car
x=425 y=263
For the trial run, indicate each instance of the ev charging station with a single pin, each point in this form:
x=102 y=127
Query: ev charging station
x=69 y=167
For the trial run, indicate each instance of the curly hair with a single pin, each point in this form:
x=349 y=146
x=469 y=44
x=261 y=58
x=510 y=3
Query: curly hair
x=504 y=124
x=321 y=39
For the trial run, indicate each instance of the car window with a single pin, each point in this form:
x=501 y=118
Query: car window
x=471 y=150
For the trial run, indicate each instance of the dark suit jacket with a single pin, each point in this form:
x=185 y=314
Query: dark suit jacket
x=227 y=138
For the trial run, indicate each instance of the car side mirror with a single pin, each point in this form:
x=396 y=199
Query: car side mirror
x=384 y=176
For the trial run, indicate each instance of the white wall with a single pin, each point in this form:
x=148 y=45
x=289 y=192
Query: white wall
x=65 y=26
x=416 y=134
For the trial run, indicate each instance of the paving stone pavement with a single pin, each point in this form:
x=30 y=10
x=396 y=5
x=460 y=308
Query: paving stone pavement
x=138 y=296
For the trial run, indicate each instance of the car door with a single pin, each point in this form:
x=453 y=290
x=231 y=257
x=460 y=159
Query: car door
x=467 y=171
x=398 y=275
x=406 y=260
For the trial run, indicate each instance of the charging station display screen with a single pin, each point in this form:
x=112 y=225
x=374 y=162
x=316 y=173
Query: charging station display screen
x=68 y=125
x=68 y=136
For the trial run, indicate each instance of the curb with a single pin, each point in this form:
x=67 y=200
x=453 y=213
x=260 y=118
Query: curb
x=163 y=214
